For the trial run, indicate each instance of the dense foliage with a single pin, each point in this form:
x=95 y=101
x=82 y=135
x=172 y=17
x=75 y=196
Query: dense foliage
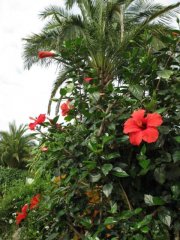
x=94 y=182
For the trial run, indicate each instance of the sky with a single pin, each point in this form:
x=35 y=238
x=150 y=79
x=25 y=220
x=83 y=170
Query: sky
x=24 y=93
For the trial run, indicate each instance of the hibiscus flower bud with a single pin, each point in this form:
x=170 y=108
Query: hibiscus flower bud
x=45 y=54
x=88 y=79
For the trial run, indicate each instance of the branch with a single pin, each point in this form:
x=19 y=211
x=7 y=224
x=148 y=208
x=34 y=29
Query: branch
x=126 y=198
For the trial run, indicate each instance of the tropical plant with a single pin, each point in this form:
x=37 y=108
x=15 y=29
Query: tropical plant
x=15 y=146
x=102 y=33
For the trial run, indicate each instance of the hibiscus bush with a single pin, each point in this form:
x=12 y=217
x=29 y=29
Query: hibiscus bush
x=111 y=153
x=107 y=165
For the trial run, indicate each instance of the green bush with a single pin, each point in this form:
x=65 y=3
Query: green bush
x=9 y=177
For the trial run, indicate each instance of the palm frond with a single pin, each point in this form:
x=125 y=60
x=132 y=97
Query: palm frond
x=61 y=78
x=53 y=11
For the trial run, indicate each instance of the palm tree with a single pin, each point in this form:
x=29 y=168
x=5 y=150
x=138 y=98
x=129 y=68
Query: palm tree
x=105 y=30
x=15 y=146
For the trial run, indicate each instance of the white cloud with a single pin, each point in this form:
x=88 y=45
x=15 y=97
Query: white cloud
x=23 y=93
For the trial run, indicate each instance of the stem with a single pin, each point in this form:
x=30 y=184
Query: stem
x=47 y=137
x=177 y=236
x=126 y=198
x=75 y=231
x=157 y=87
x=103 y=121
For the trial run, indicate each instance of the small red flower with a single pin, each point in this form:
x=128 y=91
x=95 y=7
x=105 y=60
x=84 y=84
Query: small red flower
x=34 y=201
x=65 y=108
x=142 y=128
x=22 y=215
x=88 y=79
x=45 y=54
x=41 y=118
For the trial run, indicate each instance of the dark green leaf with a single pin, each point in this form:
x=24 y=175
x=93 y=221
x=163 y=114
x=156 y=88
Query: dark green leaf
x=106 y=168
x=166 y=74
x=119 y=172
x=107 y=189
x=137 y=91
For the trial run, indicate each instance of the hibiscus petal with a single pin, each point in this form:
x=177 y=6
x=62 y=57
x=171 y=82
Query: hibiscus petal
x=150 y=135
x=131 y=126
x=154 y=120
x=138 y=115
x=135 y=138
x=41 y=118
x=32 y=126
x=25 y=208
x=20 y=217
x=35 y=201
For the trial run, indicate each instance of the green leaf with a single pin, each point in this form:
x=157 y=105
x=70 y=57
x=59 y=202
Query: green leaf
x=90 y=165
x=122 y=139
x=95 y=96
x=86 y=222
x=160 y=174
x=176 y=191
x=153 y=201
x=144 y=222
x=176 y=156
x=113 y=208
x=95 y=177
x=107 y=189
x=109 y=220
x=95 y=147
x=161 y=110
x=112 y=156
x=107 y=139
x=145 y=229
x=166 y=74
x=119 y=172
x=63 y=91
x=164 y=129
x=177 y=139
x=52 y=236
x=165 y=218
x=106 y=168
x=129 y=213
x=144 y=163
x=137 y=91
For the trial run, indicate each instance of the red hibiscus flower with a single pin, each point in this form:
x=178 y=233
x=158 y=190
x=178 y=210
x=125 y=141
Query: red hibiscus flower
x=45 y=54
x=34 y=201
x=65 y=108
x=88 y=79
x=141 y=128
x=22 y=215
x=41 y=118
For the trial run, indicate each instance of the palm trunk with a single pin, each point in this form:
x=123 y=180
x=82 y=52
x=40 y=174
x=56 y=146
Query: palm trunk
x=122 y=21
